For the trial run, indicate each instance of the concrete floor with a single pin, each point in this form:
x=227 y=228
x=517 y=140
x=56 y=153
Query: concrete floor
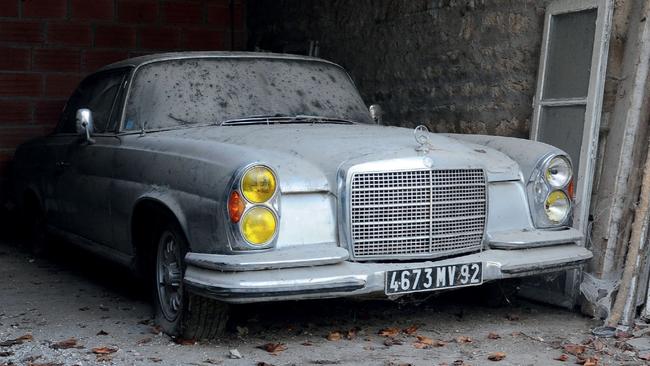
x=74 y=295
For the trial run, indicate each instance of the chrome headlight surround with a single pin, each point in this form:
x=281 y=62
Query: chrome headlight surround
x=549 y=199
x=234 y=229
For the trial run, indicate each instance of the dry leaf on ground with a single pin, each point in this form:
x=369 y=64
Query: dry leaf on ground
x=104 y=350
x=426 y=342
x=185 y=342
x=563 y=357
x=392 y=342
x=587 y=361
x=155 y=359
x=598 y=345
x=334 y=336
x=68 y=343
x=419 y=345
x=512 y=317
x=574 y=349
x=264 y=364
x=144 y=340
x=496 y=356
x=493 y=335
x=307 y=343
x=410 y=330
x=389 y=332
x=352 y=333
x=463 y=339
x=273 y=348
x=19 y=340
x=156 y=329
x=102 y=333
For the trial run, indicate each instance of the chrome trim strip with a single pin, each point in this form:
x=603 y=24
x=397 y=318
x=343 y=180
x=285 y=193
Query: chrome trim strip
x=221 y=293
x=287 y=257
x=519 y=239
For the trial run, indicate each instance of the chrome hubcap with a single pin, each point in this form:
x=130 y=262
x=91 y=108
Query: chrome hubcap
x=169 y=275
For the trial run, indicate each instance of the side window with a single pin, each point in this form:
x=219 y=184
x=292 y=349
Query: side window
x=67 y=122
x=97 y=93
x=101 y=97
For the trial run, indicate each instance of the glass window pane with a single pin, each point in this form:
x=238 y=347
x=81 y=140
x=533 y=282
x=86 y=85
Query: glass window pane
x=562 y=127
x=568 y=63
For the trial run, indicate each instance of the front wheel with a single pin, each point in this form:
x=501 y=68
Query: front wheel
x=178 y=312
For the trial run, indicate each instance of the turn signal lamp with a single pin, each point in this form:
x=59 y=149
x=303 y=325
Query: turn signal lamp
x=258 y=184
x=571 y=189
x=236 y=207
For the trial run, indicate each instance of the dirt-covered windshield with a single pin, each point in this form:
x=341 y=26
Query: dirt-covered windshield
x=211 y=90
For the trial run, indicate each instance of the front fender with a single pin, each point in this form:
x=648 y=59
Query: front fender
x=195 y=214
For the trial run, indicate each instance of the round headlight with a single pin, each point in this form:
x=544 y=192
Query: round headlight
x=557 y=206
x=258 y=225
x=558 y=172
x=258 y=184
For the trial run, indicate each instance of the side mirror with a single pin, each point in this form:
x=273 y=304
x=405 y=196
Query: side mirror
x=84 y=122
x=376 y=113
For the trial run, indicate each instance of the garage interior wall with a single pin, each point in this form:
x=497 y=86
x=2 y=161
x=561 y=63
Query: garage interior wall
x=48 y=46
x=457 y=66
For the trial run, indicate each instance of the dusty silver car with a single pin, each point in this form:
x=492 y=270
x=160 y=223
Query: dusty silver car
x=246 y=177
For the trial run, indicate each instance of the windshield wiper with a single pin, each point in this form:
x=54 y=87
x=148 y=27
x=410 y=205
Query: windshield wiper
x=282 y=119
x=319 y=119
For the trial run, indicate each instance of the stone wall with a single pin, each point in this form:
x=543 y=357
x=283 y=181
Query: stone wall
x=465 y=66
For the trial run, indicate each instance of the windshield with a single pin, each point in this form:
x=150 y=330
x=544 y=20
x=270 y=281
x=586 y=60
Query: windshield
x=212 y=90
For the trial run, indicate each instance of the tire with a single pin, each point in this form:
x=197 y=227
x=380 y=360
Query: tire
x=178 y=312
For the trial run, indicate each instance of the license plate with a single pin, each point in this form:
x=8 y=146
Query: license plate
x=433 y=278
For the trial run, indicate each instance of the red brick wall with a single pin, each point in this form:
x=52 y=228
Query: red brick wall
x=48 y=46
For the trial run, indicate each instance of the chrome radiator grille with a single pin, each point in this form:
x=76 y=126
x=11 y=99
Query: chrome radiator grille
x=417 y=213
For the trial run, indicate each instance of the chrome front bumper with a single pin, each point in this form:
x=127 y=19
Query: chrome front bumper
x=322 y=271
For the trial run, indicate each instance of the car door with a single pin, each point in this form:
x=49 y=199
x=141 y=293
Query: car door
x=84 y=167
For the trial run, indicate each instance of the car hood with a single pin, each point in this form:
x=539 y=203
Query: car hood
x=309 y=157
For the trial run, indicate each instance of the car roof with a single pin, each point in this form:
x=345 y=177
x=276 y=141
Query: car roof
x=140 y=60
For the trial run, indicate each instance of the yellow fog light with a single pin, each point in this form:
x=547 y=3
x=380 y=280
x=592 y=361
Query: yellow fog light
x=258 y=225
x=258 y=184
x=557 y=206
